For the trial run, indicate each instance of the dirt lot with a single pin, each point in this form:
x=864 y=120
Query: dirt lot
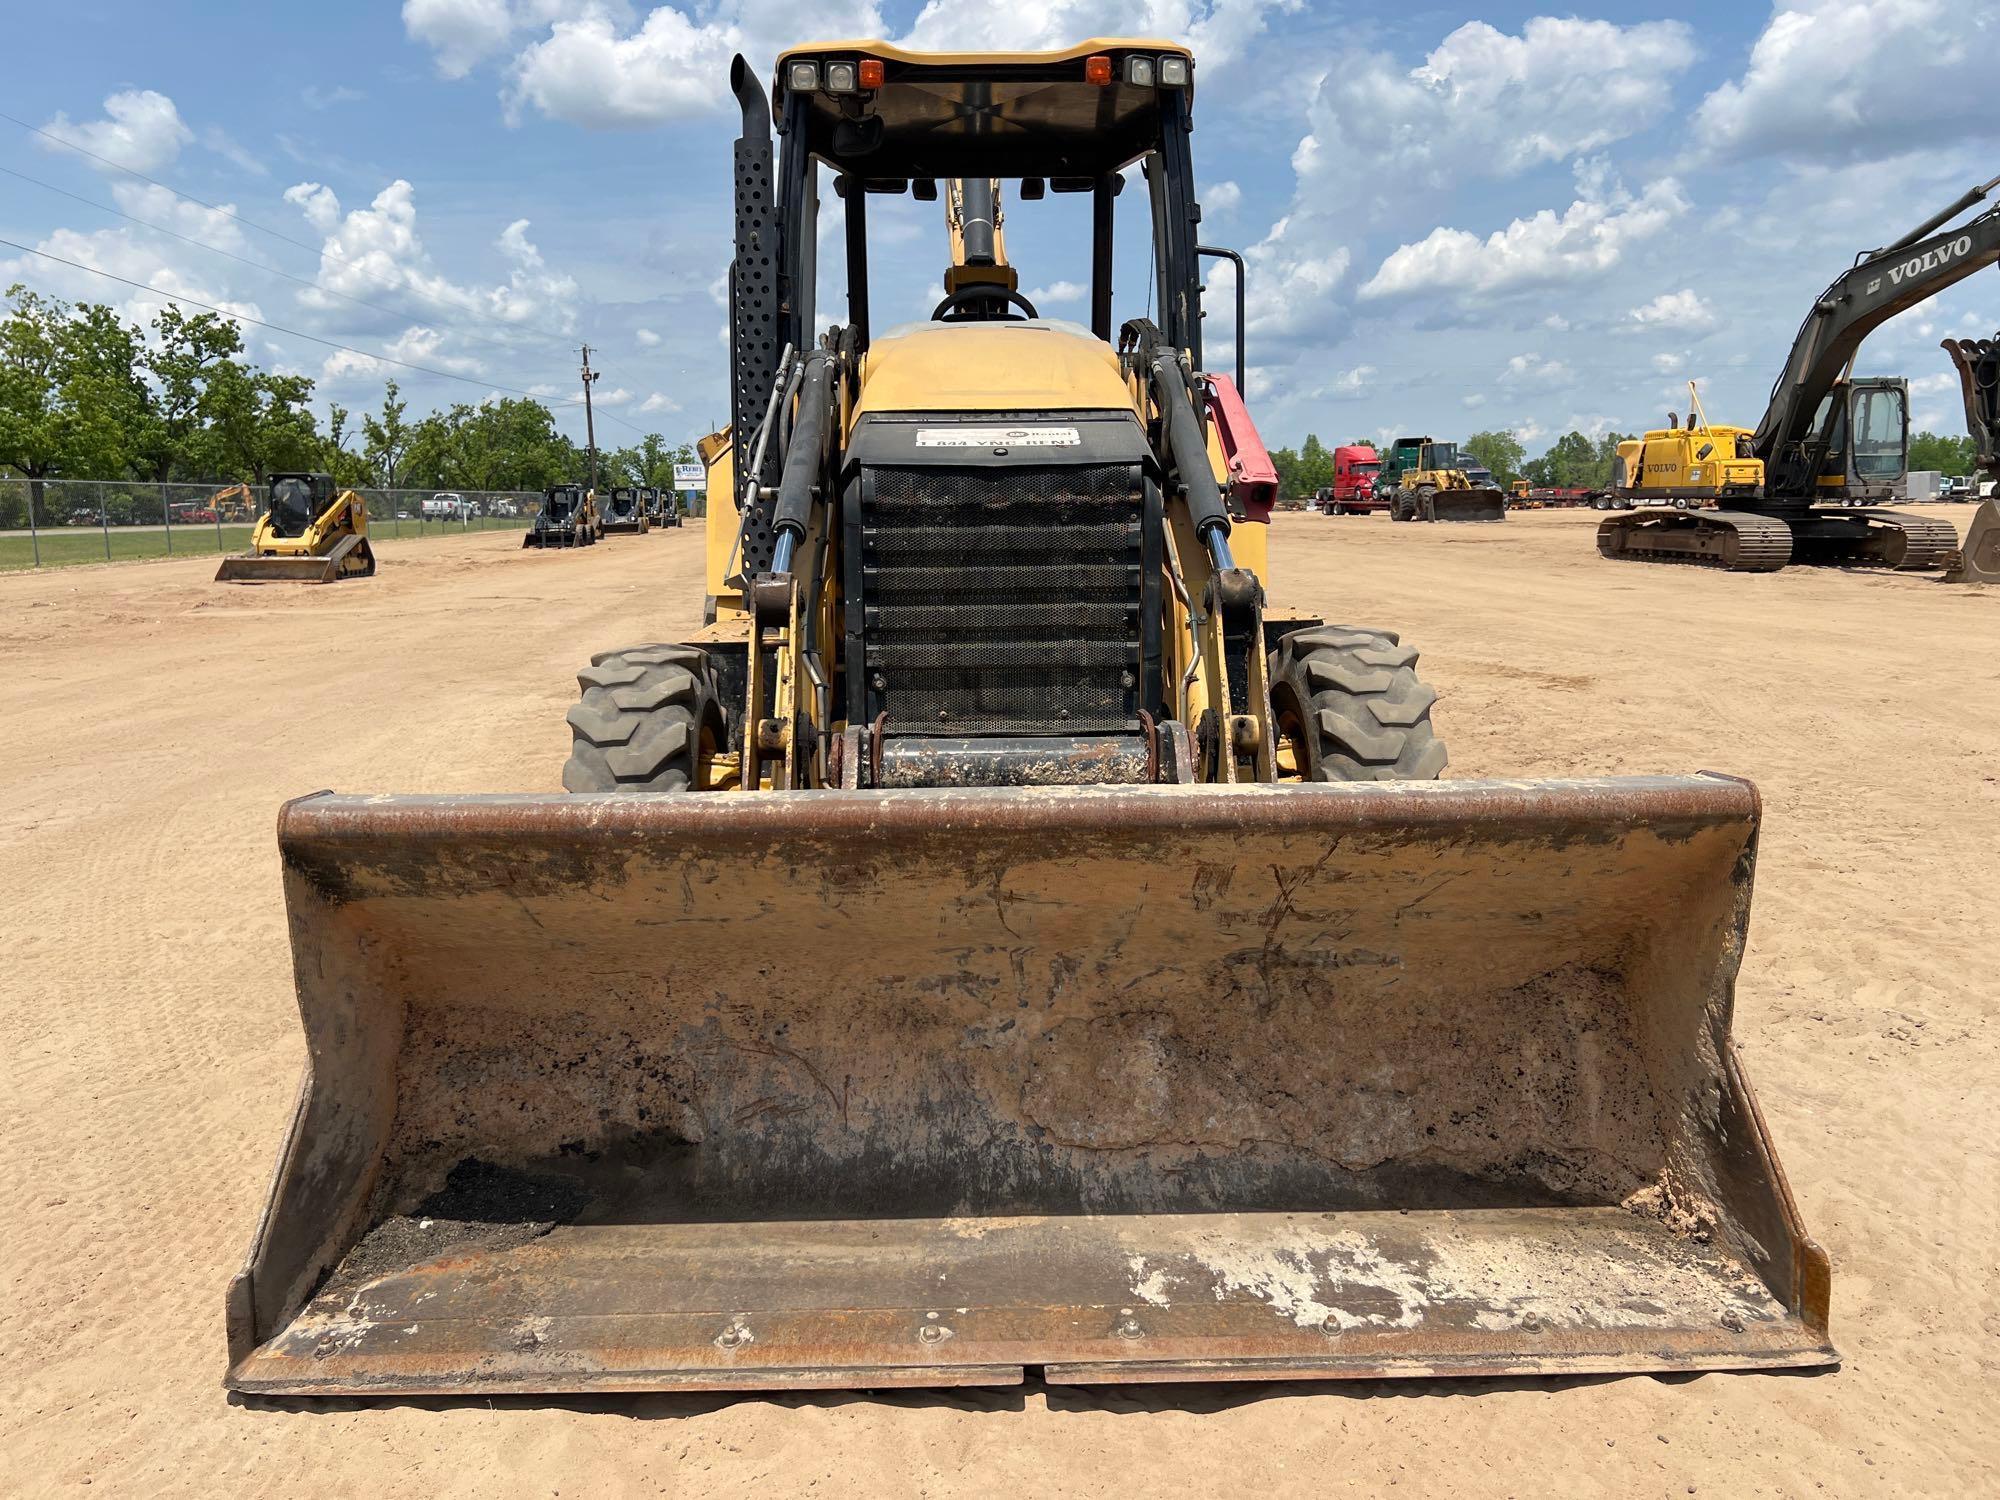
x=151 y=722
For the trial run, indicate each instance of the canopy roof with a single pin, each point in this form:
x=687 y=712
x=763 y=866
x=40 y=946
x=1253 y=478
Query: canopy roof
x=996 y=114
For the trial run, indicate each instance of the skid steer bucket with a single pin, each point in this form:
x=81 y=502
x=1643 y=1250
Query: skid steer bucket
x=1978 y=559
x=351 y=558
x=1475 y=504
x=720 y=1091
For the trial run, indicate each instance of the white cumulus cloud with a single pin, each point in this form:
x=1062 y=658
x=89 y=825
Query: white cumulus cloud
x=367 y=252
x=1489 y=104
x=1847 y=80
x=1533 y=369
x=1586 y=239
x=1683 y=309
x=141 y=129
x=601 y=64
x=1056 y=293
x=646 y=337
x=463 y=33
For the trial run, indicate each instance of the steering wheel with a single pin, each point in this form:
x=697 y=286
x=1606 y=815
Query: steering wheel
x=965 y=296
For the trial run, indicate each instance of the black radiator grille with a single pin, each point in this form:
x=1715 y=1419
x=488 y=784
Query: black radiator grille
x=1002 y=601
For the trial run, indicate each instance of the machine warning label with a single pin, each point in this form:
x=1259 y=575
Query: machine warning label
x=999 y=437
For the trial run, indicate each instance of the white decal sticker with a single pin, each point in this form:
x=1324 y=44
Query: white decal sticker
x=999 y=437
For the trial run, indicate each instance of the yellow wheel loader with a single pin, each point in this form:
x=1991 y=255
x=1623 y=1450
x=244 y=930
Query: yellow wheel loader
x=310 y=532
x=1423 y=481
x=1006 y=939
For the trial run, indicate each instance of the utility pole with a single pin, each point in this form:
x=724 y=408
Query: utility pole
x=589 y=419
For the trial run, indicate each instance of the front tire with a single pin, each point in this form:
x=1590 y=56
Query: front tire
x=648 y=717
x=1348 y=700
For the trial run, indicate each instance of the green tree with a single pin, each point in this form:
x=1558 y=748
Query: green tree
x=1947 y=455
x=174 y=440
x=497 y=445
x=1499 y=451
x=1605 y=458
x=69 y=397
x=386 y=439
x=349 y=469
x=259 y=421
x=1315 y=466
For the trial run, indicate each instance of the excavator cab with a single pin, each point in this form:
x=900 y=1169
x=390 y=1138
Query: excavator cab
x=1008 y=937
x=1863 y=431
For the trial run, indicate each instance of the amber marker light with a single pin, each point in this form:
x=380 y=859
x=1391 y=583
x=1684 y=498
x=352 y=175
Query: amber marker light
x=1097 y=69
x=871 y=72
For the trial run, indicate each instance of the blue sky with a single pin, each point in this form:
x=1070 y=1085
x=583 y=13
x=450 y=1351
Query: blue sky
x=1457 y=217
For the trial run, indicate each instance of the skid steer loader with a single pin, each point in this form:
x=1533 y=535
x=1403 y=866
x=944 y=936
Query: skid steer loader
x=310 y=532
x=625 y=513
x=1005 y=939
x=568 y=518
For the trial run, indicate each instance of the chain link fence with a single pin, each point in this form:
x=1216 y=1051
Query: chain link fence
x=47 y=523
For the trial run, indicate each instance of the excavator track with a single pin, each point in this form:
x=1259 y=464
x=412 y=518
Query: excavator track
x=1872 y=539
x=1735 y=540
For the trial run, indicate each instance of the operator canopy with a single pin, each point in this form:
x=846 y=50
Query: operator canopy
x=883 y=113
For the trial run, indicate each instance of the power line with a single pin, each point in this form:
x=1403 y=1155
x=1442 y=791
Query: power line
x=313 y=338
x=239 y=259
x=231 y=213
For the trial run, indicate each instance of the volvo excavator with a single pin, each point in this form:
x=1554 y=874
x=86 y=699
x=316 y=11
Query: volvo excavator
x=1978 y=364
x=1008 y=937
x=1831 y=448
x=311 y=531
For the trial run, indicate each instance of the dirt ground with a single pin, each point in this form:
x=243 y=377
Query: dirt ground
x=151 y=722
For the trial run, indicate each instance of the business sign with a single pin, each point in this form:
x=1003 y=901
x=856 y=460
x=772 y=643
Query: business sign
x=691 y=477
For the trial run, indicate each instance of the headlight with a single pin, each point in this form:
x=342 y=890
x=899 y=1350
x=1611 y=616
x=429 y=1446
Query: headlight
x=1173 y=72
x=841 y=79
x=1140 y=72
x=803 y=76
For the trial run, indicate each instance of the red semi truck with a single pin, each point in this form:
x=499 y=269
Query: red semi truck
x=1353 y=490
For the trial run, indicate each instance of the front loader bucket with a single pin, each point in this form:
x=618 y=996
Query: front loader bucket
x=868 y=1089
x=1979 y=556
x=351 y=557
x=1476 y=504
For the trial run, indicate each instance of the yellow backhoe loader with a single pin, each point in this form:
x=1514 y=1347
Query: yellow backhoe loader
x=311 y=532
x=1006 y=938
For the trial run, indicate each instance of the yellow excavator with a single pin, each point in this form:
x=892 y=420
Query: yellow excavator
x=1007 y=937
x=1683 y=466
x=312 y=531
